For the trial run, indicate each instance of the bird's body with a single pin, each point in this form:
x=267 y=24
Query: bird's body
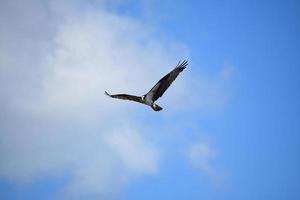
x=157 y=91
x=148 y=100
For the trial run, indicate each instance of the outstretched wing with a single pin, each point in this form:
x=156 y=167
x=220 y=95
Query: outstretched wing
x=125 y=97
x=163 y=84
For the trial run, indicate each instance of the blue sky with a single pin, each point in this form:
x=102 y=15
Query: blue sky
x=230 y=125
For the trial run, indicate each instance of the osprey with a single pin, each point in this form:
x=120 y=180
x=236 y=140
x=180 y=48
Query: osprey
x=157 y=91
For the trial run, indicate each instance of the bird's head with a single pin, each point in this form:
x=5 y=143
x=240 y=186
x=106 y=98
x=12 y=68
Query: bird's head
x=143 y=97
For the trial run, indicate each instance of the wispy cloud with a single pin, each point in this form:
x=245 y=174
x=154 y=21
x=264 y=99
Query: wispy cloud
x=203 y=157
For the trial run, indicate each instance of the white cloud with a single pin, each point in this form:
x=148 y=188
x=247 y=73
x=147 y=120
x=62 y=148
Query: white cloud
x=203 y=157
x=57 y=58
x=56 y=116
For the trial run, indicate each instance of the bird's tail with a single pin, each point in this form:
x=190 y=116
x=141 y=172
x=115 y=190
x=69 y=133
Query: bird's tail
x=156 y=107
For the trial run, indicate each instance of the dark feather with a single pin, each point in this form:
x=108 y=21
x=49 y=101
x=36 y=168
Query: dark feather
x=125 y=97
x=156 y=107
x=163 y=84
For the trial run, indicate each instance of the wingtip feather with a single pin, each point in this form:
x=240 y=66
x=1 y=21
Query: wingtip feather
x=106 y=93
x=182 y=65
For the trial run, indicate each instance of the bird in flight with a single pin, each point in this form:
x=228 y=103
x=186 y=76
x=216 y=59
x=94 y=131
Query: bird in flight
x=157 y=91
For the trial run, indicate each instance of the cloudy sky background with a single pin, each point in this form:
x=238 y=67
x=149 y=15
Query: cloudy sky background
x=230 y=124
